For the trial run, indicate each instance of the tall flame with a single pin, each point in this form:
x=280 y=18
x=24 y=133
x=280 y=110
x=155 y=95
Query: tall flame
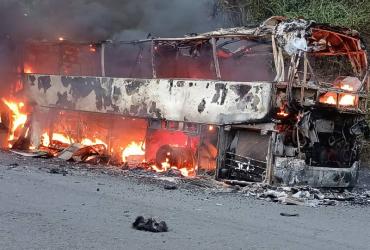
x=18 y=118
x=45 y=139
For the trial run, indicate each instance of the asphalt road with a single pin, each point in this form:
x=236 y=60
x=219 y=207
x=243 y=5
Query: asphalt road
x=40 y=210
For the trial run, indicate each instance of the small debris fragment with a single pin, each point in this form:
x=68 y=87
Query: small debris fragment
x=68 y=152
x=54 y=171
x=291 y=201
x=58 y=171
x=12 y=165
x=367 y=193
x=302 y=194
x=329 y=203
x=170 y=186
x=173 y=173
x=150 y=225
x=289 y=214
x=98 y=189
x=319 y=196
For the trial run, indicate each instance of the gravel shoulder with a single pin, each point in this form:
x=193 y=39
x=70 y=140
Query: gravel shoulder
x=94 y=209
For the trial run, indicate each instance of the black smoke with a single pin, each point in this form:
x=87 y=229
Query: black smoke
x=92 y=20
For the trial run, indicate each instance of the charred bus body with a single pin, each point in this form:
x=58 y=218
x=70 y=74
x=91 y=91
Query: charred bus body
x=283 y=103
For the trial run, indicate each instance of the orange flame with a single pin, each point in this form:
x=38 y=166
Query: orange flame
x=185 y=172
x=329 y=98
x=347 y=100
x=167 y=166
x=282 y=112
x=62 y=138
x=89 y=142
x=45 y=139
x=346 y=87
x=92 y=48
x=27 y=69
x=138 y=149
x=18 y=118
x=344 y=99
x=133 y=148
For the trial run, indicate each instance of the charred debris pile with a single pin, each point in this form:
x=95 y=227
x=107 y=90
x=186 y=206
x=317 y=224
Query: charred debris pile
x=283 y=103
x=302 y=195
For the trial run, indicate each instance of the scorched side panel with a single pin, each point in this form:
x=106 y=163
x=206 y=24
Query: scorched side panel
x=201 y=101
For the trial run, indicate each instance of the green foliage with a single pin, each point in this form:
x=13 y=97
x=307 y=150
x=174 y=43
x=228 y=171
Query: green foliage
x=349 y=13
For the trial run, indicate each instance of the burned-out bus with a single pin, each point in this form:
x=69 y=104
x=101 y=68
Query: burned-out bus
x=283 y=102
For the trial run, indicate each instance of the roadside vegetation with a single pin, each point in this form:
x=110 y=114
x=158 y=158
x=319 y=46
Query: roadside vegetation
x=350 y=13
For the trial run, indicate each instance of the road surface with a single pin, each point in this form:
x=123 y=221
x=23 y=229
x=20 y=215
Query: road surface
x=82 y=210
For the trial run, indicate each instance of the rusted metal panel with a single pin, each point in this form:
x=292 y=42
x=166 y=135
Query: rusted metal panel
x=200 y=101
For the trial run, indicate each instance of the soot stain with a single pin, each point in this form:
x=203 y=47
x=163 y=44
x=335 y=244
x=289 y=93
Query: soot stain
x=44 y=82
x=241 y=90
x=221 y=93
x=62 y=101
x=32 y=79
x=133 y=87
x=202 y=106
x=81 y=87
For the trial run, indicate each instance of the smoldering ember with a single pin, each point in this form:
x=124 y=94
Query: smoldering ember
x=182 y=129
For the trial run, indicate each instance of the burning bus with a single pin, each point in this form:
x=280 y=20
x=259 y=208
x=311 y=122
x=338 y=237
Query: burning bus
x=284 y=102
